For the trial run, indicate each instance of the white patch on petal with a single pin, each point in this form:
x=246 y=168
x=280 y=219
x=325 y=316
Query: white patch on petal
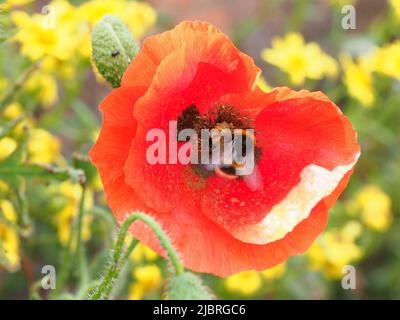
x=316 y=183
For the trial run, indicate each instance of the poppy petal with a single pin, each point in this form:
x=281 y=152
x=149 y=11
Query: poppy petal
x=307 y=146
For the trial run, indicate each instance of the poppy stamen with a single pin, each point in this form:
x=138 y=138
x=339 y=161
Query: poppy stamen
x=220 y=117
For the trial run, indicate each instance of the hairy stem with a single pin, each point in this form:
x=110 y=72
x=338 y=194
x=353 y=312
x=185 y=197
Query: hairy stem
x=104 y=289
x=17 y=86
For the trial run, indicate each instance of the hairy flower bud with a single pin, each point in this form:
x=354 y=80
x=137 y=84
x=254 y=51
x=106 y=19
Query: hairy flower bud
x=113 y=48
x=188 y=286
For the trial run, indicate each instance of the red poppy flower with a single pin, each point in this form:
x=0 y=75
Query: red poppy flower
x=218 y=222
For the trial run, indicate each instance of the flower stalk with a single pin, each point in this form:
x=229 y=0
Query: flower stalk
x=104 y=289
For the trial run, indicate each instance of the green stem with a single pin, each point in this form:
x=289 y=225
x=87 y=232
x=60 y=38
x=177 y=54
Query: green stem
x=80 y=254
x=23 y=212
x=65 y=265
x=78 y=228
x=51 y=120
x=34 y=290
x=104 y=289
x=8 y=127
x=75 y=175
x=17 y=86
x=121 y=272
x=85 y=291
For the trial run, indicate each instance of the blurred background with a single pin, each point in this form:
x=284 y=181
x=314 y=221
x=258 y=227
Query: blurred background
x=49 y=94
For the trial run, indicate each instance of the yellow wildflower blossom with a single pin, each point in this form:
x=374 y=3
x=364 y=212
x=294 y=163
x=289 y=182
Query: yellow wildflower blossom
x=395 y=5
x=53 y=66
x=274 y=272
x=45 y=86
x=43 y=147
x=138 y=16
x=341 y=3
x=97 y=184
x=4 y=188
x=143 y=253
x=64 y=218
x=245 y=283
x=3 y=86
x=9 y=241
x=298 y=59
x=263 y=85
x=147 y=278
x=92 y=11
x=136 y=291
x=12 y=111
x=335 y=249
x=358 y=79
x=386 y=60
x=47 y=35
x=13 y=3
x=7 y=146
x=374 y=206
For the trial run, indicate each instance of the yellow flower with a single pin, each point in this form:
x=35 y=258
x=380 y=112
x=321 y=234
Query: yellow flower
x=43 y=147
x=4 y=188
x=274 y=272
x=9 y=241
x=45 y=86
x=298 y=59
x=386 y=60
x=97 y=184
x=143 y=253
x=7 y=146
x=138 y=16
x=335 y=249
x=64 y=218
x=136 y=291
x=358 y=80
x=3 y=86
x=395 y=4
x=12 y=111
x=53 y=66
x=92 y=11
x=13 y=3
x=342 y=3
x=246 y=283
x=52 y=35
x=147 y=278
x=263 y=85
x=374 y=206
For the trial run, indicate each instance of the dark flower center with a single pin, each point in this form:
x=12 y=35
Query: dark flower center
x=220 y=117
